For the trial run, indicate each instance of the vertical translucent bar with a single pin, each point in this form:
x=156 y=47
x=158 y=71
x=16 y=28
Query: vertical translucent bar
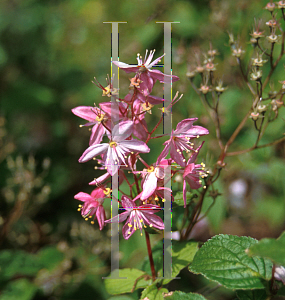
x=114 y=182
x=167 y=127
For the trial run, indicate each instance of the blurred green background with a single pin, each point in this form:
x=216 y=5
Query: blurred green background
x=49 y=53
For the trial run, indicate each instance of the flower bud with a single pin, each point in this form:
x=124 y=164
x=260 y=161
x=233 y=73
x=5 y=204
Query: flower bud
x=254 y=115
x=283 y=84
x=270 y=6
x=281 y=4
x=190 y=74
x=219 y=88
x=261 y=108
x=237 y=52
x=204 y=89
x=256 y=75
x=273 y=38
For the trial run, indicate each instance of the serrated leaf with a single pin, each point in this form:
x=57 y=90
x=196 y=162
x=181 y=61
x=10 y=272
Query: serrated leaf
x=270 y=248
x=153 y=293
x=252 y=295
x=223 y=259
x=177 y=295
x=135 y=279
x=178 y=198
x=21 y=289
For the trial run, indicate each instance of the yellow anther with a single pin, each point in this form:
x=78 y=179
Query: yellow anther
x=80 y=205
x=163 y=200
x=198 y=136
x=204 y=187
x=150 y=225
x=80 y=126
x=107 y=191
x=144 y=226
x=141 y=220
x=86 y=219
x=92 y=222
x=78 y=209
x=129 y=232
x=130 y=225
x=141 y=233
x=90 y=217
x=113 y=144
x=150 y=169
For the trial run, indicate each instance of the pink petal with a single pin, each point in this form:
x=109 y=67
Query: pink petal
x=98 y=193
x=176 y=156
x=122 y=130
x=135 y=146
x=85 y=112
x=83 y=197
x=185 y=125
x=153 y=219
x=100 y=179
x=158 y=75
x=149 y=186
x=127 y=68
x=97 y=133
x=101 y=216
x=93 y=151
x=164 y=152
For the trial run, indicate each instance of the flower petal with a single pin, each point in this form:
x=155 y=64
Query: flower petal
x=93 y=151
x=97 y=133
x=83 y=197
x=85 y=112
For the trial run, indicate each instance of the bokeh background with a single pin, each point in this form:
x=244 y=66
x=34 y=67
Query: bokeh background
x=49 y=53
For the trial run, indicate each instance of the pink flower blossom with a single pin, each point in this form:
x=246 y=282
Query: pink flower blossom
x=147 y=77
x=93 y=206
x=116 y=151
x=192 y=173
x=138 y=217
x=95 y=116
x=180 y=140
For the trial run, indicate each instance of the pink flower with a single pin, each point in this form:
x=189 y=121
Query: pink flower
x=116 y=151
x=180 y=140
x=95 y=116
x=192 y=173
x=93 y=206
x=146 y=76
x=138 y=217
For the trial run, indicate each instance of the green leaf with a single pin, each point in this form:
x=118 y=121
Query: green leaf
x=121 y=297
x=270 y=248
x=18 y=262
x=178 y=198
x=21 y=289
x=50 y=257
x=182 y=255
x=134 y=279
x=152 y=292
x=252 y=295
x=177 y=295
x=223 y=259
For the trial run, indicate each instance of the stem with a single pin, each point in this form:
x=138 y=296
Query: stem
x=150 y=256
x=255 y=147
x=245 y=77
x=276 y=62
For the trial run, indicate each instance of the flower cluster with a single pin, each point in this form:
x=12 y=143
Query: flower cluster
x=126 y=138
